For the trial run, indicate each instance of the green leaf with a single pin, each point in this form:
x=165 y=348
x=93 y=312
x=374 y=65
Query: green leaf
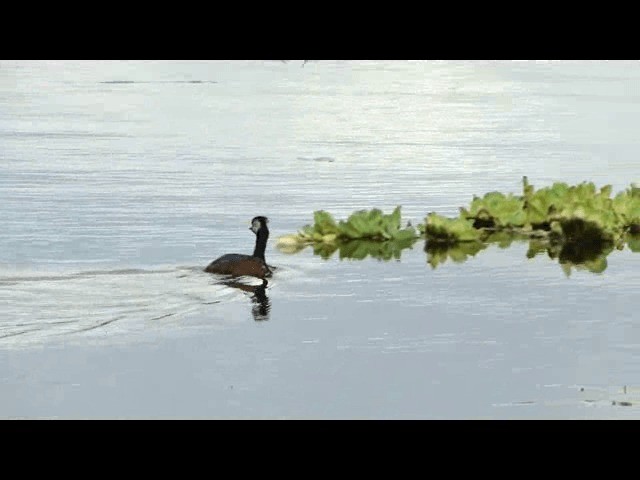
x=633 y=241
x=404 y=235
x=348 y=231
x=447 y=230
x=606 y=191
x=324 y=223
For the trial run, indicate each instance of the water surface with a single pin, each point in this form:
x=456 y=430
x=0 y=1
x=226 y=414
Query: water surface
x=120 y=181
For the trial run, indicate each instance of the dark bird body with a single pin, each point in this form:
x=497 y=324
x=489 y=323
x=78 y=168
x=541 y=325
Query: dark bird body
x=237 y=265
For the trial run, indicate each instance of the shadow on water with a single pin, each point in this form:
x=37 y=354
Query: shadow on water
x=575 y=254
x=261 y=303
x=588 y=256
x=578 y=254
x=438 y=253
x=362 y=248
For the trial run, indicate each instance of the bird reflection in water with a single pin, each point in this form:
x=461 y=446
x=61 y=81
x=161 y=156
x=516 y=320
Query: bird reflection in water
x=261 y=304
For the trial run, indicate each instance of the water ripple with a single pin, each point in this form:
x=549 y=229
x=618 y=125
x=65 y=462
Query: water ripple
x=115 y=302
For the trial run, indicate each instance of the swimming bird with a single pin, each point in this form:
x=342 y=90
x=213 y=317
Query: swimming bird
x=237 y=265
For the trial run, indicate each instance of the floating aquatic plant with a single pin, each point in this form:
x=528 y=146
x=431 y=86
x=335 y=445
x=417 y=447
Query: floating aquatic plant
x=579 y=225
x=626 y=204
x=633 y=241
x=496 y=210
x=569 y=213
x=372 y=225
x=439 y=229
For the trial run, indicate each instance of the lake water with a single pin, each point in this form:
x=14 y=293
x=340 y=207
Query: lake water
x=120 y=181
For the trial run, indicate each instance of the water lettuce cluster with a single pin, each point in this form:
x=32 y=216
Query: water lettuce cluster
x=364 y=233
x=578 y=213
x=577 y=225
x=361 y=225
x=449 y=231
